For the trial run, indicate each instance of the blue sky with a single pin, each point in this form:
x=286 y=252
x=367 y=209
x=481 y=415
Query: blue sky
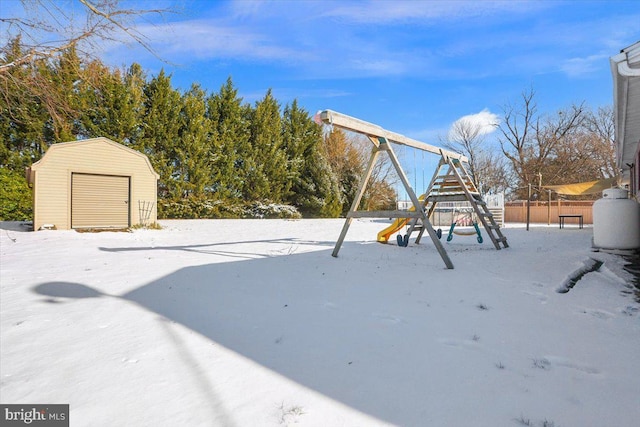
x=413 y=67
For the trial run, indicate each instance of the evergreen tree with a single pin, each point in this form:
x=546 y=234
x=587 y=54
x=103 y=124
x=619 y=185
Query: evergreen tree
x=267 y=169
x=112 y=103
x=192 y=149
x=63 y=76
x=229 y=146
x=313 y=187
x=22 y=115
x=297 y=137
x=161 y=131
x=132 y=119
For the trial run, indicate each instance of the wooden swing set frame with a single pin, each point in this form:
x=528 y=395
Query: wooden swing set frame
x=381 y=140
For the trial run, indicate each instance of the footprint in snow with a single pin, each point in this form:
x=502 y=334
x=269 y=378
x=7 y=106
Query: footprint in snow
x=388 y=318
x=540 y=296
x=600 y=314
x=568 y=363
x=452 y=342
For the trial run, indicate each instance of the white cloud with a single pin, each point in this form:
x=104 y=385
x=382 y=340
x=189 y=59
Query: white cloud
x=381 y=12
x=577 y=67
x=345 y=40
x=208 y=39
x=485 y=121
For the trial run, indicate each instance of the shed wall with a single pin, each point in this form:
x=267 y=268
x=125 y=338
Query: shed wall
x=52 y=178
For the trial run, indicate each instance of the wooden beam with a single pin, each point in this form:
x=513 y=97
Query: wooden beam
x=374 y=131
x=384 y=214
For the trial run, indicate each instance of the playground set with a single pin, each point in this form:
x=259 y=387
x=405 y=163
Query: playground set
x=450 y=183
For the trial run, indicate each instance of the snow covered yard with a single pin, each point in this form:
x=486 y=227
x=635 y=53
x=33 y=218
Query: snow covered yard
x=253 y=323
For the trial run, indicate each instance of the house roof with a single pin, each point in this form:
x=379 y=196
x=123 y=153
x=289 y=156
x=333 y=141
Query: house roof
x=625 y=69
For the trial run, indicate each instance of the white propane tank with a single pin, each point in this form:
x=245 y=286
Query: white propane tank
x=616 y=221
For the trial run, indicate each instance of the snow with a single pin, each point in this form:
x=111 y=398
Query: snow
x=254 y=323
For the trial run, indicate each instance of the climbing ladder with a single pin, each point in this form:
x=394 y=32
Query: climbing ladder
x=455 y=185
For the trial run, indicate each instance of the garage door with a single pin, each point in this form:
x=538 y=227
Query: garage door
x=99 y=201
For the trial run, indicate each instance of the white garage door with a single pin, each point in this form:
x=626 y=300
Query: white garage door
x=99 y=201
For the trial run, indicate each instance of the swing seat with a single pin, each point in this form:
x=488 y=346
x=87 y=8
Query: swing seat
x=464 y=232
x=475 y=230
x=403 y=241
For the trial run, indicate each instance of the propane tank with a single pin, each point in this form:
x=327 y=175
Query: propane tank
x=616 y=221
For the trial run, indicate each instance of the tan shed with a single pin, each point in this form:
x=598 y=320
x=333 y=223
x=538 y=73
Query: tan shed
x=94 y=183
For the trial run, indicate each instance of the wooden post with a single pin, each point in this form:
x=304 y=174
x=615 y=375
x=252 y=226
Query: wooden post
x=356 y=201
x=528 y=206
x=549 y=209
x=381 y=140
x=418 y=206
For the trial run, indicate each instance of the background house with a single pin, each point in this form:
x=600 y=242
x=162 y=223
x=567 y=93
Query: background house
x=94 y=183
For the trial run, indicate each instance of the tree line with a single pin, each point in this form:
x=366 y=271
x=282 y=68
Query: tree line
x=572 y=145
x=215 y=154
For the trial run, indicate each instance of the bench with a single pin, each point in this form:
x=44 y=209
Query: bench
x=563 y=217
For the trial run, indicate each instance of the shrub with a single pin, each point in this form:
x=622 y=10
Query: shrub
x=271 y=210
x=203 y=208
x=15 y=197
x=198 y=208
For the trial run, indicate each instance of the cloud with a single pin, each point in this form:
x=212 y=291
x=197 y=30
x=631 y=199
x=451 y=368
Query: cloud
x=579 y=67
x=425 y=40
x=387 y=12
x=209 y=39
x=287 y=94
x=485 y=122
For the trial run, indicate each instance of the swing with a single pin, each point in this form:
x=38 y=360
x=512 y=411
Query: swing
x=403 y=240
x=464 y=219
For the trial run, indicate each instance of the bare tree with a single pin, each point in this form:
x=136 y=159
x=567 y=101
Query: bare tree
x=552 y=134
x=532 y=142
x=49 y=28
x=516 y=128
x=468 y=136
x=493 y=174
x=379 y=193
x=40 y=62
x=601 y=125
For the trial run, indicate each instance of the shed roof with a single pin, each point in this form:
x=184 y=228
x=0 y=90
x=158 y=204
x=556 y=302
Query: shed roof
x=101 y=140
x=625 y=68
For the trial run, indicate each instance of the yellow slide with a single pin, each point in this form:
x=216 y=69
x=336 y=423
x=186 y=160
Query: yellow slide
x=383 y=236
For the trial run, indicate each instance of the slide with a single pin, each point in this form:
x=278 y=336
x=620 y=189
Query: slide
x=383 y=236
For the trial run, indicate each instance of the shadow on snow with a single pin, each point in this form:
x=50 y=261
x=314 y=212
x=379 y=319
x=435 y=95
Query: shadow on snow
x=315 y=322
